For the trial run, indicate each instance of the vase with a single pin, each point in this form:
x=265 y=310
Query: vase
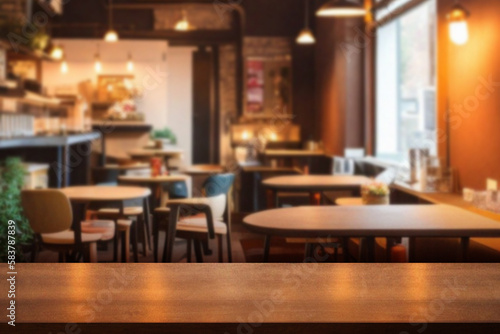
x=375 y=200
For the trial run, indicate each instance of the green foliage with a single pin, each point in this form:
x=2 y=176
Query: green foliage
x=11 y=182
x=164 y=133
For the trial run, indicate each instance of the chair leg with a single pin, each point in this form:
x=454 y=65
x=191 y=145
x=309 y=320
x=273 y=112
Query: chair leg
x=229 y=247
x=267 y=244
x=197 y=251
x=142 y=228
x=91 y=252
x=115 y=244
x=34 y=251
x=122 y=244
x=219 y=239
x=188 y=253
x=61 y=257
x=147 y=219
x=134 y=240
x=156 y=237
x=126 y=241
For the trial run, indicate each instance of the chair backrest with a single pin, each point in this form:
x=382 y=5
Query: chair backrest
x=103 y=176
x=216 y=188
x=176 y=190
x=47 y=210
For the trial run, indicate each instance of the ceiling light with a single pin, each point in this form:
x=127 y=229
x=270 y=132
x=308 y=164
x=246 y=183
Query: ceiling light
x=182 y=24
x=111 y=35
x=344 y=8
x=306 y=35
x=458 y=27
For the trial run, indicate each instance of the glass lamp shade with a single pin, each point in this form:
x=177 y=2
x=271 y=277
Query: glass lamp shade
x=306 y=36
x=64 y=67
x=57 y=52
x=459 y=32
x=111 y=36
x=98 y=66
x=346 y=8
x=182 y=25
x=130 y=66
x=458 y=27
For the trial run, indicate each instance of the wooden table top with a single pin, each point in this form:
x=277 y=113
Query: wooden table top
x=139 y=165
x=165 y=152
x=203 y=169
x=152 y=179
x=297 y=293
x=315 y=182
x=372 y=221
x=105 y=193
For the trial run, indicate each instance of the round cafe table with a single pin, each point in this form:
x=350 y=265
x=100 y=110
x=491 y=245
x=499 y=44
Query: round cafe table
x=313 y=184
x=154 y=183
x=81 y=196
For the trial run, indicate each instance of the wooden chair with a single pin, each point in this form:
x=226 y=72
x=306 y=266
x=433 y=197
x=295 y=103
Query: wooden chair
x=199 y=219
x=50 y=215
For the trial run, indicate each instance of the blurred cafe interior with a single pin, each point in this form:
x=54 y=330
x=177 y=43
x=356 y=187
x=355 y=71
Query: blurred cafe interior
x=209 y=146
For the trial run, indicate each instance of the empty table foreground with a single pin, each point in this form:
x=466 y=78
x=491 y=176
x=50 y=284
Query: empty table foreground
x=252 y=293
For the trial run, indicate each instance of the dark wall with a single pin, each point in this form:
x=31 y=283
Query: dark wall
x=339 y=82
x=273 y=17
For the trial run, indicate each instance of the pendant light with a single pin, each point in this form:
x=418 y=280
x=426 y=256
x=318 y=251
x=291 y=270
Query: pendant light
x=97 y=61
x=182 y=24
x=57 y=52
x=64 y=66
x=111 y=35
x=458 y=28
x=306 y=35
x=341 y=8
x=130 y=63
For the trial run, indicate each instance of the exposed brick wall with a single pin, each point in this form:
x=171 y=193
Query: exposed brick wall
x=199 y=16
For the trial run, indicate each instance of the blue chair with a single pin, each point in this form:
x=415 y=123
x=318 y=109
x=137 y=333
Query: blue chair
x=199 y=219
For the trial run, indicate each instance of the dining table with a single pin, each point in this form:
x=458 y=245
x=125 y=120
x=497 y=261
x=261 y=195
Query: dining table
x=81 y=196
x=313 y=184
x=154 y=183
x=373 y=221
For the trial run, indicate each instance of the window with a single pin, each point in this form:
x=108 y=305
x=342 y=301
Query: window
x=406 y=83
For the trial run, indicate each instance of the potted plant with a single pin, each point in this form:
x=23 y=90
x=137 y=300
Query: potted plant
x=163 y=137
x=375 y=193
x=11 y=182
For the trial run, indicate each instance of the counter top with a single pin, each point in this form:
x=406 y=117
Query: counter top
x=38 y=141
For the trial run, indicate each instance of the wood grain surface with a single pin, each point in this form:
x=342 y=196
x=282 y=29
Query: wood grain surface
x=105 y=193
x=235 y=293
x=315 y=182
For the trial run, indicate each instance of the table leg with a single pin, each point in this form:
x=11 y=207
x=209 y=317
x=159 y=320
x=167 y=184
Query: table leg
x=345 y=249
x=267 y=245
x=464 y=248
x=370 y=247
x=412 y=249
x=271 y=199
